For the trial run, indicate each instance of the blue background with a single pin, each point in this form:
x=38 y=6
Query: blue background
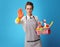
x=13 y=35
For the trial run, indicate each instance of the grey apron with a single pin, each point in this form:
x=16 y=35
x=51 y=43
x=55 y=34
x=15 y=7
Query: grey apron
x=31 y=39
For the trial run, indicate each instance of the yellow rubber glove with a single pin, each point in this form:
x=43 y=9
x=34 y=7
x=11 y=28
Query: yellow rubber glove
x=20 y=15
x=17 y=20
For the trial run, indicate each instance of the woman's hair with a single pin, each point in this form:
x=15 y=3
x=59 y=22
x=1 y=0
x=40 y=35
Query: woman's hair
x=29 y=3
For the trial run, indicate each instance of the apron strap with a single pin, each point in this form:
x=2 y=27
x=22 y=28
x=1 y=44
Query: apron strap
x=33 y=17
x=26 y=17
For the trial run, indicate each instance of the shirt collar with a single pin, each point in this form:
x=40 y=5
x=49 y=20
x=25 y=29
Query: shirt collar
x=28 y=17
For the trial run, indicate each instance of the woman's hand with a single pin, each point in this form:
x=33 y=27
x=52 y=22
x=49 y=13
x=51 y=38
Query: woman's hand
x=20 y=13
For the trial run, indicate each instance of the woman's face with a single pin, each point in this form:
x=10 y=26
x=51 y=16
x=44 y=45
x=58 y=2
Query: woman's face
x=29 y=9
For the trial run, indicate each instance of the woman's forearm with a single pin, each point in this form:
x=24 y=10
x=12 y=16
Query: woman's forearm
x=17 y=20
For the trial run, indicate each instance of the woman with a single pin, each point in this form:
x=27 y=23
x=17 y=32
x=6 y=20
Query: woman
x=29 y=23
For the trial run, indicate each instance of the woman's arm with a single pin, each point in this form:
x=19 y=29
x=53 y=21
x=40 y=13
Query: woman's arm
x=20 y=16
x=19 y=21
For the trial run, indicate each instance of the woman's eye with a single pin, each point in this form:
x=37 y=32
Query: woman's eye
x=29 y=8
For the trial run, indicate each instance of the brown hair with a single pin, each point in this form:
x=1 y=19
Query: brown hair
x=29 y=3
